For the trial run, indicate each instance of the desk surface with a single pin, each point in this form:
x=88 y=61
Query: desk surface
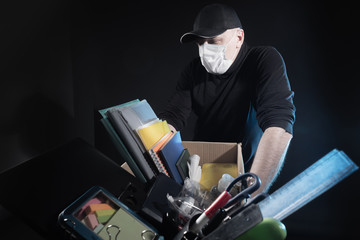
x=39 y=189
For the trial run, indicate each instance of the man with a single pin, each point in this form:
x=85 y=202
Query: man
x=239 y=93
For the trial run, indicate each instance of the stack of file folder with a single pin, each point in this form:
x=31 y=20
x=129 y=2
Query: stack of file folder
x=145 y=142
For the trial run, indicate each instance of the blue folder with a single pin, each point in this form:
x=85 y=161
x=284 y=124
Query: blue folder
x=170 y=154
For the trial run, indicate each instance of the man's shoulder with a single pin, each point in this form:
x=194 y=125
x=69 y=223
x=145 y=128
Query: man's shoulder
x=268 y=55
x=263 y=51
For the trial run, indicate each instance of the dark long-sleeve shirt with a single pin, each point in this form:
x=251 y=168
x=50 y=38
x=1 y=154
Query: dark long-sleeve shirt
x=240 y=104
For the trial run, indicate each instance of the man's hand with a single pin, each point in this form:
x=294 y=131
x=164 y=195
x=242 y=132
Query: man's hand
x=270 y=156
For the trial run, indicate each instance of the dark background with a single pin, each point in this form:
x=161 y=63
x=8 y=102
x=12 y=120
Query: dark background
x=61 y=61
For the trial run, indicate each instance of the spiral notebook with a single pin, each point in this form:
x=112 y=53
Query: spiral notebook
x=153 y=152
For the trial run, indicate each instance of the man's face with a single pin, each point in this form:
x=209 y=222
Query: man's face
x=232 y=38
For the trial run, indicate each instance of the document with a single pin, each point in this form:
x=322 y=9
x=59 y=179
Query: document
x=138 y=114
x=152 y=133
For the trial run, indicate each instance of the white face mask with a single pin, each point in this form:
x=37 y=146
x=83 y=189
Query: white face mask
x=213 y=58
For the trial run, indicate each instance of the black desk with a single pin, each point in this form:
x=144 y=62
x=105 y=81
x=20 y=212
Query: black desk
x=36 y=191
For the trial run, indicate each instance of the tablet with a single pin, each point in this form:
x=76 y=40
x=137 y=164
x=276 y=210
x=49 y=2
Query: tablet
x=99 y=215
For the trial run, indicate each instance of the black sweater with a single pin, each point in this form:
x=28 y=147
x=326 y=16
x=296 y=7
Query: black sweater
x=254 y=92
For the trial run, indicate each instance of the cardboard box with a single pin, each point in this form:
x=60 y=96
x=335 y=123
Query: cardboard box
x=216 y=152
x=212 y=152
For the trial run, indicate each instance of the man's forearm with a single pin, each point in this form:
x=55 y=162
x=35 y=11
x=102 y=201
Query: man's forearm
x=270 y=156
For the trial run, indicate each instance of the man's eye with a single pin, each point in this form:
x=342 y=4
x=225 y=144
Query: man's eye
x=214 y=41
x=200 y=42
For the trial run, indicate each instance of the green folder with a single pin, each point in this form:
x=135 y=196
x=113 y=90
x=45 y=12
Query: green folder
x=103 y=111
x=118 y=142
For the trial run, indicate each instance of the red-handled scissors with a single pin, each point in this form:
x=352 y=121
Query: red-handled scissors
x=225 y=200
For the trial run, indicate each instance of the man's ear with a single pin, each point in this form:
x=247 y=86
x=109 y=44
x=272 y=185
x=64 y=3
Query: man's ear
x=241 y=36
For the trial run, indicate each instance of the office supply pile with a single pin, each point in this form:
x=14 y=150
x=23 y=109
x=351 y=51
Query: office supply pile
x=195 y=190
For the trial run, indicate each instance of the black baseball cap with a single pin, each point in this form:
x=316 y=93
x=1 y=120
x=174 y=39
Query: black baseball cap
x=212 y=20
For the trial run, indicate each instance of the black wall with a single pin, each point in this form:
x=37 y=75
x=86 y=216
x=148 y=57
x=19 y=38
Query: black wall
x=61 y=61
